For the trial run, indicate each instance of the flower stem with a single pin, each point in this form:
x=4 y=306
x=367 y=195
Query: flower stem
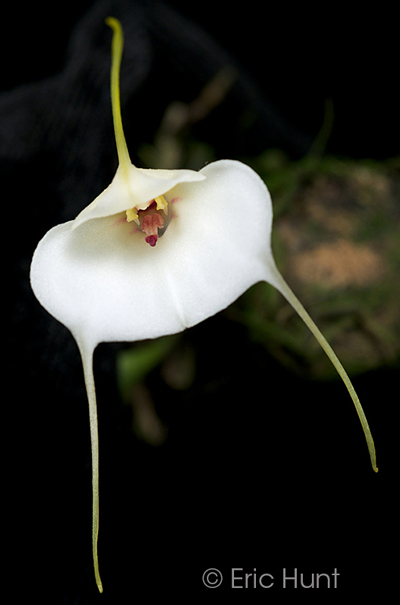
x=282 y=286
x=116 y=55
x=87 y=360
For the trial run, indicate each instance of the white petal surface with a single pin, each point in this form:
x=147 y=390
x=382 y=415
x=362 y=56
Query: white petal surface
x=134 y=187
x=106 y=284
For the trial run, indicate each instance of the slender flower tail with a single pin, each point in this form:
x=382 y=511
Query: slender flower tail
x=116 y=56
x=86 y=353
x=296 y=304
x=87 y=361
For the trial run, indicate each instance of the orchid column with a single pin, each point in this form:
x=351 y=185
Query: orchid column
x=156 y=252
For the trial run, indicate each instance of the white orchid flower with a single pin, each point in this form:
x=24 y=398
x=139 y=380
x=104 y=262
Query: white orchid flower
x=157 y=252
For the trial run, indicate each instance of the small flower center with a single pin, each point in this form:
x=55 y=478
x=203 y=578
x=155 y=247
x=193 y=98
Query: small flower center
x=150 y=220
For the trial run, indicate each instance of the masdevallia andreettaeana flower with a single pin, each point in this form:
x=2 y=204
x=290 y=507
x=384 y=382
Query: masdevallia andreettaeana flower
x=156 y=252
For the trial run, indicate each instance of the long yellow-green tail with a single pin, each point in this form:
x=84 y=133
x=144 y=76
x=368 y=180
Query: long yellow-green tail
x=296 y=304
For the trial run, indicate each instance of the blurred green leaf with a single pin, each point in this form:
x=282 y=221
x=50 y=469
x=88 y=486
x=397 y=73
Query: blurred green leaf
x=135 y=363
